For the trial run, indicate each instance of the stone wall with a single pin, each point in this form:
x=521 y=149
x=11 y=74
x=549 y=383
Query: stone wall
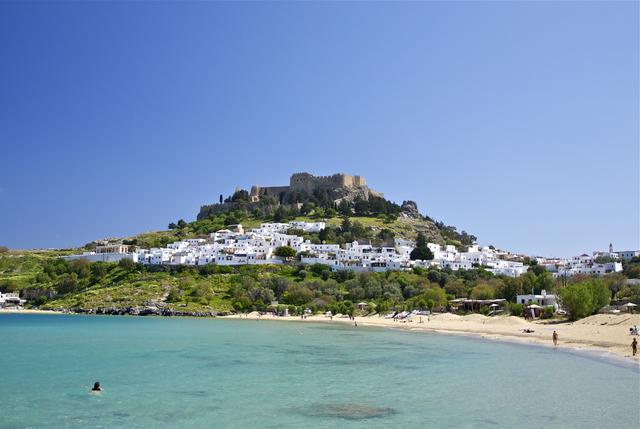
x=305 y=182
x=258 y=191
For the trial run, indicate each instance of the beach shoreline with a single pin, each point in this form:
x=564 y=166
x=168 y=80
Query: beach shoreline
x=592 y=334
x=29 y=311
x=602 y=333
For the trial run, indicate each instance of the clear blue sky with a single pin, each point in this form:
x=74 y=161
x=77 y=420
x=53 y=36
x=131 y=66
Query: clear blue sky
x=517 y=122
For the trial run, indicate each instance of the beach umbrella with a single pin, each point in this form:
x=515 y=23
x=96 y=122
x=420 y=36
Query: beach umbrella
x=494 y=306
x=630 y=304
x=534 y=306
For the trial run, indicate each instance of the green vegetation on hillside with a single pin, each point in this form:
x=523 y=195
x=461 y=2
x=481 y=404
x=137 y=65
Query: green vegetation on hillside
x=50 y=282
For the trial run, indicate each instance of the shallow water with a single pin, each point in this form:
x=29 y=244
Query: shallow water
x=193 y=373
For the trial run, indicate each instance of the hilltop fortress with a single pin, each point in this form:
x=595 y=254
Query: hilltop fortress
x=338 y=187
x=308 y=183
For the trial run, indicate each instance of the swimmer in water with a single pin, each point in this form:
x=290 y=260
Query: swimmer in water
x=96 y=387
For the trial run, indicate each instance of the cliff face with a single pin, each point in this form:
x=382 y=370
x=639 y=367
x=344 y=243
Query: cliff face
x=353 y=193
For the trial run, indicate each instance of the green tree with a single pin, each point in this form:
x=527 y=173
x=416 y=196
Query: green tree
x=285 y=252
x=182 y=224
x=345 y=226
x=435 y=296
x=330 y=212
x=545 y=281
x=511 y=287
x=615 y=282
x=630 y=292
x=483 y=291
x=344 y=208
x=631 y=268
x=455 y=287
x=600 y=294
x=240 y=195
x=67 y=283
x=585 y=298
x=576 y=299
x=298 y=295
x=421 y=251
x=9 y=285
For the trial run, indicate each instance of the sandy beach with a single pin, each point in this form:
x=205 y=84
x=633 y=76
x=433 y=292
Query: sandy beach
x=602 y=332
x=27 y=311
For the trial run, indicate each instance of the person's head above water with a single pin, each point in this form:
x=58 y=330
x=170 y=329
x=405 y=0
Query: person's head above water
x=96 y=386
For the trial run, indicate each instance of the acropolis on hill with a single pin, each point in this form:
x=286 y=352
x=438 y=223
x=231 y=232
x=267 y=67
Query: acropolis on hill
x=306 y=182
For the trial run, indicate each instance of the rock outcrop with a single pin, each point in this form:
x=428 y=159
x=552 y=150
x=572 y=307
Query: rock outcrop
x=410 y=209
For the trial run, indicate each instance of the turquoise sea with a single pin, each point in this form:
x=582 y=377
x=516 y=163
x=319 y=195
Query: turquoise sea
x=213 y=373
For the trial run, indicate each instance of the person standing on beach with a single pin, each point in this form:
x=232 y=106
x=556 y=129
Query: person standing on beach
x=555 y=338
x=634 y=346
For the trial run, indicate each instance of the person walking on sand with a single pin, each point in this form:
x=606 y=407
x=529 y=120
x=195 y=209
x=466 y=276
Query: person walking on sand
x=634 y=346
x=555 y=338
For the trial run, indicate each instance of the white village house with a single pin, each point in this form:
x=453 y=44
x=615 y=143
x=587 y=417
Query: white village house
x=543 y=300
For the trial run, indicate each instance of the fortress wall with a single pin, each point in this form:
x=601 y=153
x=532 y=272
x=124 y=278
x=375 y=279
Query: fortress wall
x=274 y=190
x=305 y=182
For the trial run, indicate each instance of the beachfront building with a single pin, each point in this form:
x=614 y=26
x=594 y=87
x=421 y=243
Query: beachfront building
x=10 y=299
x=543 y=300
x=466 y=305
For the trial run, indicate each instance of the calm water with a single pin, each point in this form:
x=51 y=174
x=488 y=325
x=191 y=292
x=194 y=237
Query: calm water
x=196 y=373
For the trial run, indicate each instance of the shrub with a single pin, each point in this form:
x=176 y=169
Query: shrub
x=9 y=286
x=548 y=312
x=126 y=264
x=40 y=300
x=516 y=309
